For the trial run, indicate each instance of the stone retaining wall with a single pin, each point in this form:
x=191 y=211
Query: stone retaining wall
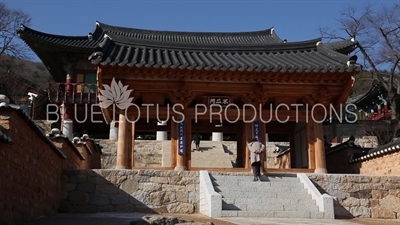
x=148 y=153
x=93 y=191
x=362 y=196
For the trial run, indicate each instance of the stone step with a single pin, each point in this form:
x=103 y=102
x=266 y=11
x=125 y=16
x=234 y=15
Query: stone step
x=273 y=214
x=276 y=195
x=250 y=183
x=245 y=177
x=260 y=197
x=268 y=206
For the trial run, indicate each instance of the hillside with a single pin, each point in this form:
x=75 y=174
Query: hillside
x=30 y=71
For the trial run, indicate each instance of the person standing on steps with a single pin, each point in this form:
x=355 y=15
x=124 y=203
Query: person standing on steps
x=196 y=140
x=256 y=149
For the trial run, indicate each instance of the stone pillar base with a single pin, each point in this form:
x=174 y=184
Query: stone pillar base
x=121 y=168
x=68 y=128
x=217 y=136
x=180 y=168
x=320 y=171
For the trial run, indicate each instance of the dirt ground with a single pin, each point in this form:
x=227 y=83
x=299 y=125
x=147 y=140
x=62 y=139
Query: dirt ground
x=203 y=218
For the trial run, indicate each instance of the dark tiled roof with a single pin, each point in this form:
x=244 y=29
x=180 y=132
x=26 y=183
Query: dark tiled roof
x=346 y=144
x=5 y=138
x=376 y=88
x=379 y=151
x=344 y=46
x=281 y=150
x=251 y=51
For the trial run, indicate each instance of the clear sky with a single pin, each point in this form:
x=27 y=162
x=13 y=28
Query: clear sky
x=294 y=20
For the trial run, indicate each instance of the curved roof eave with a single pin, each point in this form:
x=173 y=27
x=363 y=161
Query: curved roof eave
x=344 y=46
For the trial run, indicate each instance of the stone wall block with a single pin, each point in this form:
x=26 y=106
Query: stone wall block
x=160 y=180
x=97 y=180
x=140 y=197
x=119 y=199
x=351 y=202
x=129 y=186
x=117 y=179
x=68 y=186
x=183 y=180
x=391 y=203
x=374 y=202
x=150 y=187
x=361 y=194
x=365 y=202
x=394 y=179
x=182 y=196
x=334 y=179
x=162 y=198
x=191 y=187
x=169 y=187
x=360 y=211
x=194 y=197
x=180 y=208
x=78 y=198
x=142 y=179
x=100 y=199
x=380 y=213
x=106 y=189
x=395 y=193
x=378 y=194
x=80 y=178
x=86 y=187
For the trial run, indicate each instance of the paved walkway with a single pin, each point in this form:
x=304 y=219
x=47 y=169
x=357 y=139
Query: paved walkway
x=126 y=218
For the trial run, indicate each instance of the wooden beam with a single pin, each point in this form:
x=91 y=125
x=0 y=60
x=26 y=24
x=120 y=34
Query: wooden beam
x=345 y=93
x=174 y=144
x=106 y=113
x=320 y=161
x=122 y=150
x=311 y=145
x=132 y=148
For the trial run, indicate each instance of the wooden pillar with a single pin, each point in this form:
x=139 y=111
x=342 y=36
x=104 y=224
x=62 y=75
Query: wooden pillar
x=240 y=145
x=248 y=129
x=128 y=140
x=180 y=157
x=174 y=143
x=311 y=145
x=320 y=161
x=263 y=140
x=122 y=150
x=132 y=146
x=188 y=142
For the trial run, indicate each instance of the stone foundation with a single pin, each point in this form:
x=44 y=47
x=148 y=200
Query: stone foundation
x=362 y=196
x=150 y=191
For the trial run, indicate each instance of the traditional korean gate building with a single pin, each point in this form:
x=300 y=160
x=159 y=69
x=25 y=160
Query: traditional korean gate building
x=191 y=70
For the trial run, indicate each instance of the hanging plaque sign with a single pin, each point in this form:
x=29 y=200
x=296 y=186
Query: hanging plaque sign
x=181 y=138
x=257 y=130
x=222 y=101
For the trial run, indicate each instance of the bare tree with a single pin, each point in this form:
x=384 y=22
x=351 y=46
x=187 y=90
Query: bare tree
x=381 y=129
x=12 y=49
x=377 y=31
x=10 y=21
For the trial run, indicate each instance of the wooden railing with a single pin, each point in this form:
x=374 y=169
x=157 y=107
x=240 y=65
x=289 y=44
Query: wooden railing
x=72 y=93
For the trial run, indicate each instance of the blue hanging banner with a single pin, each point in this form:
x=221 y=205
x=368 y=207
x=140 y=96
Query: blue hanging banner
x=181 y=138
x=257 y=130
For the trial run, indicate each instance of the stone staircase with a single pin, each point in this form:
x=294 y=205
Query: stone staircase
x=212 y=155
x=275 y=196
